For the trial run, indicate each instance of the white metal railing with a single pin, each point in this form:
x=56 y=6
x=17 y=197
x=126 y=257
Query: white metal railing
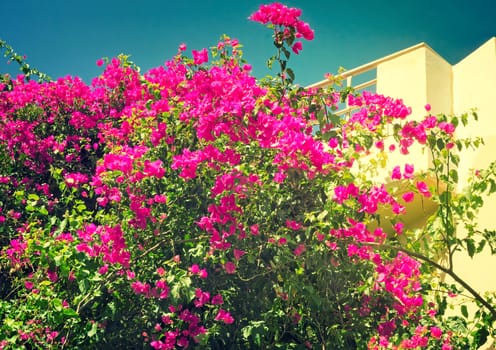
x=366 y=68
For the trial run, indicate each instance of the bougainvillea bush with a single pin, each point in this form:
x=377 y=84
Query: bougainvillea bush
x=194 y=206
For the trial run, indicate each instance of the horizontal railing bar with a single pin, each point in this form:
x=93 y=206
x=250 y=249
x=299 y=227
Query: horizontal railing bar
x=345 y=110
x=365 y=84
x=368 y=66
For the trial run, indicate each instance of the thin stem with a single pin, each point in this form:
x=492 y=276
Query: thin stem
x=447 y=221
x=441 y=209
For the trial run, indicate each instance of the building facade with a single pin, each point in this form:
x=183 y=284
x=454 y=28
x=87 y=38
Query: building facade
x=420 y=76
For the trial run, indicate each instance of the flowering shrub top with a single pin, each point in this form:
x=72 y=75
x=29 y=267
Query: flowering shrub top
x=196 y=206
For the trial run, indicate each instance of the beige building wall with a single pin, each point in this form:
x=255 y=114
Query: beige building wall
x=474 y=86
x=422 y=76
x=418 y=77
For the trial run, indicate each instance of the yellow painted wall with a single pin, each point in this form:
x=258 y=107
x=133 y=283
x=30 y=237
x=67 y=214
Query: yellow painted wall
x=474 y=85
x=422 y=76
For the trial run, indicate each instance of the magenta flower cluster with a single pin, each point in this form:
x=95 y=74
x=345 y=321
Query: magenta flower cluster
x=287 y=24
x=281 y=15
x=122 y=144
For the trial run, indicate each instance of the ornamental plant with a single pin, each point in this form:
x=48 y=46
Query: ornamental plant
x=194 y=206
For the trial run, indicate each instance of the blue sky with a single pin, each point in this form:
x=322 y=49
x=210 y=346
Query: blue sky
x=66 y=37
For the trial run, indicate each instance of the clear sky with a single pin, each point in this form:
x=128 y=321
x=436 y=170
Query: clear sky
x=66 y=37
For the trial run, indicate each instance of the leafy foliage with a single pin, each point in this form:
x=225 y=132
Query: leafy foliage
x=196 y=206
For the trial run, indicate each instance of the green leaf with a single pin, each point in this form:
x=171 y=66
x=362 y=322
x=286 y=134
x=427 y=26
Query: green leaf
x=322 y=215
x=57 y=304
x=470 y=247
x=480 y=336
x=83 y=285
x=291 y=74
x=453 y=175
x=33 y=197
x=455 y=121
x=286 y=52
x=464 y=311
x=440 y=144
x=246 y=332
x=431 y=141
x=459 y=145
x=481 y=245
x=455 y=159
x=92 y=331
x=43 y=211
x=492 y=189
x=70 y=313
x=176 y=291
x=58 y=259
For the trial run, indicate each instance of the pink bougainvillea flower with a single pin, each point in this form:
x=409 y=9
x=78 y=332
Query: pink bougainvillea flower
x=408 y=196
x=140 y=287
x=200 y=57
x=255 y=230
x=281 y=15
x=279 y=177
x=217 y=300
x=52 y=276
x=276 y=13
x=203 y=273
x=398 y=227
x=396 y=174
x=436 y=332
x=423 y=189
x=333 y=142
x=230 y=267
x=305 y=30
x=293 y=225
x=224 y=316
x=74 y=180
x=300 y=249
x=160 y=198
x=398 y=208
x=297 y=47
x=409 y=170
x=352 y=249
x=238 y=254
x=448 y=128
x=201 y=297
x=194 y=269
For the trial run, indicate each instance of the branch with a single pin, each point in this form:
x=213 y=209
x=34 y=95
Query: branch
x=23 y=66
x=448 y=271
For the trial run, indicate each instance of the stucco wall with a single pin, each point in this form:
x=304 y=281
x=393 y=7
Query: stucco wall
x=422 y=76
